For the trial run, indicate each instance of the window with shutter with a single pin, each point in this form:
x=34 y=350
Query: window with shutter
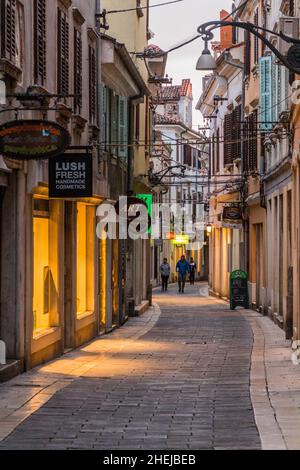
x=250 y=145
x=256 y=40
x=107 y=118
x=228 y=146
x=266 y=92
x=103 y=105
x=253 y=142
x=40 y=62
x=137 y=123
x=62 y=53
x=277 y=103
x=213 y=154
x=245 y=136
x=236 y=133
x=77 y=70
x=8 y=29
x=123 y=127
x=92 y=84
x=187 y=155
x=247 y=53
x=114 y=130
x=217 y=167
x=234 y=29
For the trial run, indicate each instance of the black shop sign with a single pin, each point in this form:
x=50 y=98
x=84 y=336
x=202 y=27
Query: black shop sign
x=71 y=176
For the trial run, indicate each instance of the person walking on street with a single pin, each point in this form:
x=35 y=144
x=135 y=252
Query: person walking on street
x=193 y=270
x=183 y=269
x=165 y=272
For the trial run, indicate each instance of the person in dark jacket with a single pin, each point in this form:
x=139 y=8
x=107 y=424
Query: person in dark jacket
x=183 y=269
x=165 y=272
x=193 y=270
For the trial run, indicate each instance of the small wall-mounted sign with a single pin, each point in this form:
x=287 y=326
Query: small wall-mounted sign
x=232 y=217
x=71 y=176
x=33 y=139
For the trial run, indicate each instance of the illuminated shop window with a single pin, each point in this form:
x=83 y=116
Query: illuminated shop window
x=41 y=269
x=85 y=258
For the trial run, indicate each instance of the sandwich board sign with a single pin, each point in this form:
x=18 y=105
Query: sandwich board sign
x=239 y=293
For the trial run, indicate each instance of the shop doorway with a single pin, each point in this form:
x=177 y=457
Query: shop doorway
x=115 y=282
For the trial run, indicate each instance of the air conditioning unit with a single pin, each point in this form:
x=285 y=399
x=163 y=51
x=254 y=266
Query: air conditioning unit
x=290 y=27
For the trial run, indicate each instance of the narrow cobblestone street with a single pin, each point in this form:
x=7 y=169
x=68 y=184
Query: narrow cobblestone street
x=176 y=378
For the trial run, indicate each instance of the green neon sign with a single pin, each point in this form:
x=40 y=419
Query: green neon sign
x=148 y=199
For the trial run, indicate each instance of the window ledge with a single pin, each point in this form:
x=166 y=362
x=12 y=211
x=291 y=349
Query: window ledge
x=228 y=166
x=45 y=338
x=81 y=316
x=84 y=319
x=79 y=123
x=44 y=332
x=9 y=69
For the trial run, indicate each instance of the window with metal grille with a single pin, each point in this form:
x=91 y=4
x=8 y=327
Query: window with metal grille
x=77 y=71
x=92 y=84
x=8 y=29
x=40 y=62
x=63 y=71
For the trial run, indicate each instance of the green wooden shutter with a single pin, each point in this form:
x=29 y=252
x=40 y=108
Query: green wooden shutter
x=103 y=106
x=266 y=92
x=114 y=124
x=107 y=117
x=286 y=89
x=123 y=127
x=276 y=92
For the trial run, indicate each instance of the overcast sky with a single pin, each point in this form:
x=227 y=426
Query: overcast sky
x=174 y=24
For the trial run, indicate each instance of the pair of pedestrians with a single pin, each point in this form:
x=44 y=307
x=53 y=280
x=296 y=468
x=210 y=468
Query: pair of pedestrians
x=183 y=268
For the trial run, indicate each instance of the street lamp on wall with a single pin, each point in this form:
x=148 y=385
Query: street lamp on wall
x=207 y=62
x=209 y=229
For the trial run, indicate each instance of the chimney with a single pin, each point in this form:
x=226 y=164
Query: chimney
x=226 y=31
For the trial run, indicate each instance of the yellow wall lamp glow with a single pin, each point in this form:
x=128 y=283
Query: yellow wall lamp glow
x=181 y=240
x=209 y=229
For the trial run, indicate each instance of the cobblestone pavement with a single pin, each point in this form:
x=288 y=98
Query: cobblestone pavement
x=175 y=380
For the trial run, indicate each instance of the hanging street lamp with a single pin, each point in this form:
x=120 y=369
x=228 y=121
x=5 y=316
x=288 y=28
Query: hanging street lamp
x=207 y=62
